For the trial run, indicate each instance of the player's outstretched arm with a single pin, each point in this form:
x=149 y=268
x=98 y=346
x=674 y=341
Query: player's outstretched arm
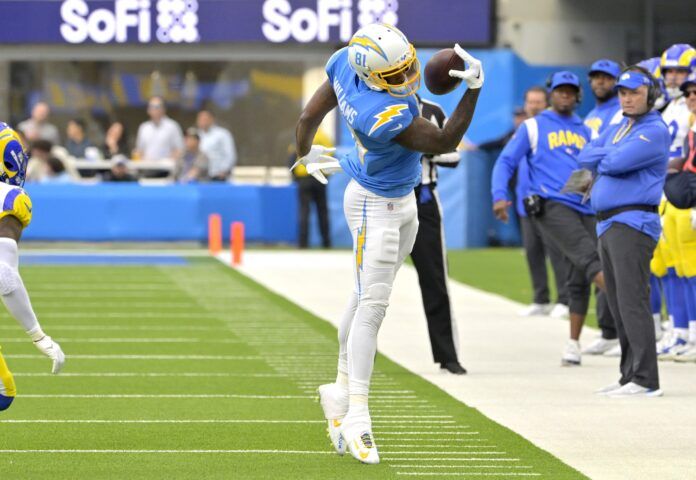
x=423 y=136
x=14 y=294
x=322 y=102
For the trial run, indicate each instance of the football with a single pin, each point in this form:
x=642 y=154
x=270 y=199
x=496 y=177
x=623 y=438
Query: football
x=437 y=69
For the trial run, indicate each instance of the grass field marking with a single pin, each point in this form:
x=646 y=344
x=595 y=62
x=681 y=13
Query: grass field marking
x=425 y=425
x=448 y=452
x=458 y=440
x=428 y=422
x=128 y=452
x=173 y=395
x=145 y=357
x=149 y=374
x=470 y=474
x=118 y=328
x=450 y=459
x=147 y=422
x=435 y=445
x=116 y=340
x=412 y=416
x=443 y=434
x=461 y=466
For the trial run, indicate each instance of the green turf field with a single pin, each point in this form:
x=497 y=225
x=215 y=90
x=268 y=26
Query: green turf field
x=503 y=271
x=195 y=372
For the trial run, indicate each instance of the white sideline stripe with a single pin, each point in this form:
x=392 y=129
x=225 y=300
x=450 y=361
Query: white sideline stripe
x=281 y=452
x=448 y=452
x=436 y=445
x=173 y=395
x=469 y=474
x=411 y=416
x=450 y=459
x=418 y=440
x=429 y=433
x=145 y=357
x=117 y=328
x=428 y=427
x=163 y=421
x=145 y=374
x=461 y=466
x=115 y=340
x=428 y=422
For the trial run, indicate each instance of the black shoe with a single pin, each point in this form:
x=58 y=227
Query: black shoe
x=453 y=367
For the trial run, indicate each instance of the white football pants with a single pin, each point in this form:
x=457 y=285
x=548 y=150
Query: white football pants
x=384 y=231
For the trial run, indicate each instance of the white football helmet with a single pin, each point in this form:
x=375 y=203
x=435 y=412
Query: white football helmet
x=384 y=59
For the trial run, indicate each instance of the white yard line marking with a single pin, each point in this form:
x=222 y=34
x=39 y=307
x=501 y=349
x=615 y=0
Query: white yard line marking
x=435 y=445
x=450 y=459
x=164 y=421
x=149 y=374
x=136 y=395
x=461 y=466
x=146 y=357
x=281 y=452
x=443 y=434
x=115 y=340
x=448 y=452
x=117 y=328
x=470 y=474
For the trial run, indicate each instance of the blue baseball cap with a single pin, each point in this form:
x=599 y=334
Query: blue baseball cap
x=633 y=80
x=607 y=66
x=563 y=78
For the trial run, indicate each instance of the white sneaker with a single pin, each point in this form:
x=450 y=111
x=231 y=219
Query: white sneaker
x=571 y=354
x=334 y=401
x=671 y=349
x=608 y=388
x=600 y=345
x=613 y=352
x=634 y=390
x=687 y=356
x=535 y=309
x=357 y=432
x=559 y=311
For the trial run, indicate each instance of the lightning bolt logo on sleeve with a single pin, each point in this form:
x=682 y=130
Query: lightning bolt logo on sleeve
x=387 y=115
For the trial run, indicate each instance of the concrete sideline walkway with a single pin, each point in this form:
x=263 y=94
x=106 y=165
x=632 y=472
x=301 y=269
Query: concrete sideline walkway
x=515 y=377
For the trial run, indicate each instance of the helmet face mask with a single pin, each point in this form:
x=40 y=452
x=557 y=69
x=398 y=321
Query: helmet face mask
x=14 y=157
x=383 y=58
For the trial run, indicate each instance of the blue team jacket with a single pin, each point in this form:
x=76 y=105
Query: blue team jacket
x=630 y=163
x=550 y=144
x=600 y=117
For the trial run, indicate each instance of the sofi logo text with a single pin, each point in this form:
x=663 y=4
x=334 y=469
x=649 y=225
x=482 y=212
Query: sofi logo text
x=282 y=23
x=176 y=21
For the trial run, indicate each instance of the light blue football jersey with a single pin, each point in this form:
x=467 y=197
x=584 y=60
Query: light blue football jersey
x=378 y=163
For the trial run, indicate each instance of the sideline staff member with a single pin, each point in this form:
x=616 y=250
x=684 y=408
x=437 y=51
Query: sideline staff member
x=550 y=143
x=630 y=162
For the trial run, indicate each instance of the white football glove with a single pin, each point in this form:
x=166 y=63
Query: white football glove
x=319 y=170
x=473 y=75
x=317 y=161
x=53 y=351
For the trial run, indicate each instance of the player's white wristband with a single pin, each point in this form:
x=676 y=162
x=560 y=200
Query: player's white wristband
x=36 y=334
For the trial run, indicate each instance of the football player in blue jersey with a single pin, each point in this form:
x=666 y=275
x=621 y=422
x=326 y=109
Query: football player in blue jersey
x=14 y=217
x=372 y=82
x=607 y=110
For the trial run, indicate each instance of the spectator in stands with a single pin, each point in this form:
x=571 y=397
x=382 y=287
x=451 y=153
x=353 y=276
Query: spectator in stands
x=218 y=145
x=55 y=172
x=37 y=127
x=39 y=151
x=119 y=171
x=160 y=137
x=115 y=140
x=77 y=138
x=193 y=166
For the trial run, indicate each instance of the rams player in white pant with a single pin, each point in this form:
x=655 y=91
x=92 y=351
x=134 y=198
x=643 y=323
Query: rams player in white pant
x=372 y=82
x=14 y=217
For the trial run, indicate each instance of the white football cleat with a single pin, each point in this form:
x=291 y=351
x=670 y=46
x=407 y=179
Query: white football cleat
x=634 y=390
x=535 y=309
x=559 y=311
x=334 y=401
x=357 y=432
x=609 y=388
x=671 y=348
x=613 y=352
x=571 y=354
x=600 y=346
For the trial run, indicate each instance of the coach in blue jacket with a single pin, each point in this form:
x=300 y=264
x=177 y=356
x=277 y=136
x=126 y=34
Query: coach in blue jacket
x=630 y=164
x=550 y=144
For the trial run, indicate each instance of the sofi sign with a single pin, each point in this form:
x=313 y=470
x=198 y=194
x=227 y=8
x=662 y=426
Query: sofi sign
x=228 y=21
x=282 y=23
x=175 y=21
